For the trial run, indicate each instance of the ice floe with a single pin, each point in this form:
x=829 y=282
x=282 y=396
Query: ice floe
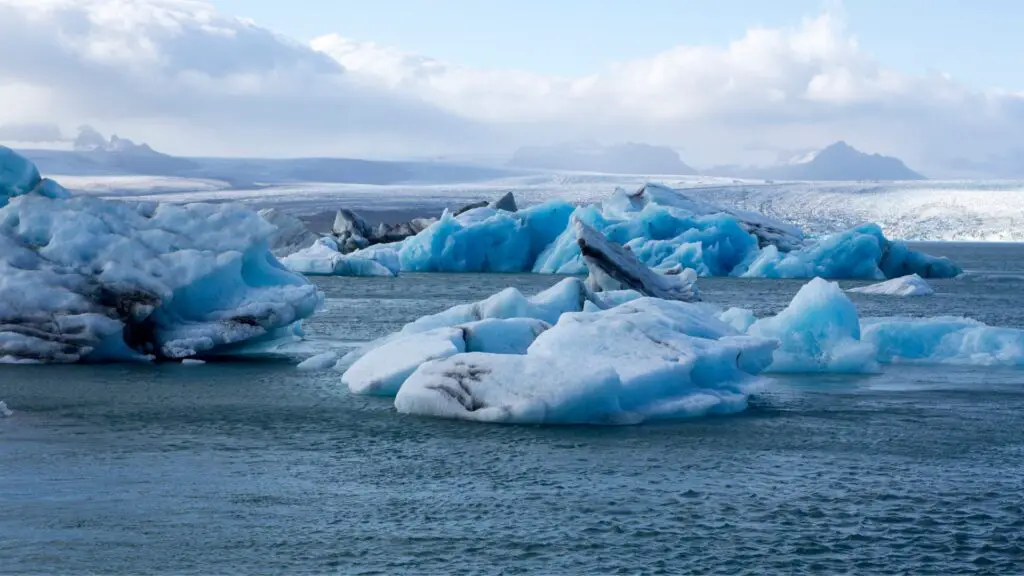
x=912 y=285
x=84 y=279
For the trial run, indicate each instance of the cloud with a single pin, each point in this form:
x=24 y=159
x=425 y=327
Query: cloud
x=803 y=86
x=190 y=79
x=30 y=132
x=178 y=66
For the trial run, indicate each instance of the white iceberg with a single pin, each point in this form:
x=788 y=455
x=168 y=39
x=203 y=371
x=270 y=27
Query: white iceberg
x=645 y=360
x=291 y=234
x=818 y=332
x=912 y=285
x=83 y=279
x=943 y=340
x=614 y=268
x=323 y=258
x=505 y=323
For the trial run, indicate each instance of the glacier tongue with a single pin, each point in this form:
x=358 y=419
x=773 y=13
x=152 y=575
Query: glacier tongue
x=83 y=279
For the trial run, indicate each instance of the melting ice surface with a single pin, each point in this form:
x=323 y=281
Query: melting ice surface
x=83 y=279
x=570 y=356
x=323 y=258
x=666 y=230
x=912 y=285
x=639 y=361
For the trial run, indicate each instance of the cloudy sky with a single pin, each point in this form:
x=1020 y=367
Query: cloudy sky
x=723 y=82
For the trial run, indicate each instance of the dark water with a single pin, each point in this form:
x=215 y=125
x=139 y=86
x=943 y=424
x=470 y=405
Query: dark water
x=259 y=468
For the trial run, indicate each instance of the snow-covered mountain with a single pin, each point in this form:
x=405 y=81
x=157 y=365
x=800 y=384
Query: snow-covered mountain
x=628 y=158
x=837 y=162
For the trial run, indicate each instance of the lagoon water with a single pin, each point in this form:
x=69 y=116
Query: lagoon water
x=257 y=467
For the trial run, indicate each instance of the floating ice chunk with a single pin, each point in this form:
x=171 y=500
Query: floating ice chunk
x=381 y=371
x=944 y=340
x=192 y=362
x=819 y=332
x=740 y=319
x=485 y=239
x=5 y=412
x=912 y=285
x=321 y=361
x=18 y=175
x=506 y=203
x=513 y=389
x=324 y=259
x=860 y=253
x=568 y=295
x=291 y=235
x=509 y=336
x=644 y=360
x=83 y=279
x=613 y=267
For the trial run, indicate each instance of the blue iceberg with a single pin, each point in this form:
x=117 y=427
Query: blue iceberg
x=88 y=280
x=666 y=230
x=820 y=331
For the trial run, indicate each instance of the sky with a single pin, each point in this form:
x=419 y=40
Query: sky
x=937 y=83
x=977 y=43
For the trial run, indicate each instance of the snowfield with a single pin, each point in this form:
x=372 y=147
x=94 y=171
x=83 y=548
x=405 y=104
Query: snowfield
x=919 y=210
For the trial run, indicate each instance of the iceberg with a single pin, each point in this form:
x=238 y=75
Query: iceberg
x=382 y=370
x=291 y=234
x=614 y=268
x=861 y=253
x=485 y=239
x=89 y=280
x=504 y=323
x=943 y=340
x=818 y=332
x=324 y=258
x=665 y=229
x=912 y=285
x=644 y=360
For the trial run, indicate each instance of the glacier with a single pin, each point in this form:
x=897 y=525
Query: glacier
x=666 y=230
x=644 y=360
x=912 y=285
x=90 y=280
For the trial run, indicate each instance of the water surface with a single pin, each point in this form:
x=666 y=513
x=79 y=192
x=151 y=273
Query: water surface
x=260 y=468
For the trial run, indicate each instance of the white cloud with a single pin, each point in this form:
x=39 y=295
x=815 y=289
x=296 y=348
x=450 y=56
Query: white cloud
x=182 y=75
x=179 y=68
x=796 y=87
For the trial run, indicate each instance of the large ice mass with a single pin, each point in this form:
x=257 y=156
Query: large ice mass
x=664 y=229
x=644 y=360
x=567 y=355
x=818 y=332
x=504 y=323
x=83 y=279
